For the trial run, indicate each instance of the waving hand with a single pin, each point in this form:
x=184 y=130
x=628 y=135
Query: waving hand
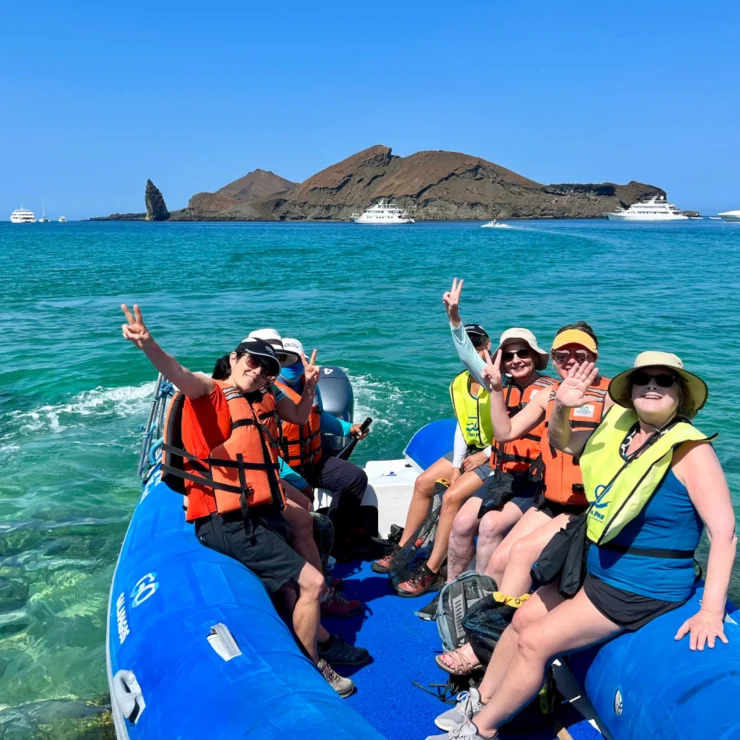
x=573 y=389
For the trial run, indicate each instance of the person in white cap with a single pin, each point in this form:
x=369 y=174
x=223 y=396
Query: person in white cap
x=302 y=450
x=654 y=482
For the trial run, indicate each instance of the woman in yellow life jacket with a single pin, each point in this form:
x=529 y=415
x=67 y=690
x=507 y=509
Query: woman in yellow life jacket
x=653 y=483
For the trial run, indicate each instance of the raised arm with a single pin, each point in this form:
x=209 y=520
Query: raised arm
x=506 y=428
x=572 y=393
x=298 y=413
x=697 y=467
x=465 y=350
x=193 y=385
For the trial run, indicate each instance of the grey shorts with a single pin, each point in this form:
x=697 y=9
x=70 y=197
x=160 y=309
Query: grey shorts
x=482 y=472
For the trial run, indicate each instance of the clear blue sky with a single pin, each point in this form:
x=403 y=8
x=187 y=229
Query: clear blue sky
x=97 y=97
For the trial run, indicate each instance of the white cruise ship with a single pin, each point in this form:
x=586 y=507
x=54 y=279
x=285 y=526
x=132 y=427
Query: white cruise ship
x=22 y=216
x=655 y=209
x=383 y=212
x=730 y=215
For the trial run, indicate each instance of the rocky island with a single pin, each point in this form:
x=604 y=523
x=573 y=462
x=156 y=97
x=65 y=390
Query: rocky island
x=434 y=185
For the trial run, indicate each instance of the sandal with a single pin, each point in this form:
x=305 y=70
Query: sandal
x=461 y=666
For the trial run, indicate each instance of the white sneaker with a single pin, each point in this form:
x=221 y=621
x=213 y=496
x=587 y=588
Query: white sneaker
x=343 y=686
x=466 y=731
x=468 y=705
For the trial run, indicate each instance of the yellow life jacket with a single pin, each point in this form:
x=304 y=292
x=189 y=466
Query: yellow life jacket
x=473 y=414
x=618 y=490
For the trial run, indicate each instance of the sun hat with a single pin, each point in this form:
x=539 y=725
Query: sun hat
x=620 y=391
x=524 y=335
x=260 y=348
x=575 y=336
x=271 y=336
x=293 y=347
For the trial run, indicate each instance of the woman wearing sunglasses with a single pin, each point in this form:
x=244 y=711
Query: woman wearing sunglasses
x=220 y=449
x=653 y=483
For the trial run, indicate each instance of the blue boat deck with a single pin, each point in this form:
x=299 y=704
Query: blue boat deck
x=403 y=649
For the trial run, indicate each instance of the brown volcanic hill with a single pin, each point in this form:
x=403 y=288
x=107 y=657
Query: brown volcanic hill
x=444 y=185
x=226 y=204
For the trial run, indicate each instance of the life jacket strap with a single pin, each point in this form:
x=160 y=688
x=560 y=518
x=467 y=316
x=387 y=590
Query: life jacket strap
x=650 y=552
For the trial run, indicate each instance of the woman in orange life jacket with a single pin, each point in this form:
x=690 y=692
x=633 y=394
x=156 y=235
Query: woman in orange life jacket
x=235 y=498
x=562 y=496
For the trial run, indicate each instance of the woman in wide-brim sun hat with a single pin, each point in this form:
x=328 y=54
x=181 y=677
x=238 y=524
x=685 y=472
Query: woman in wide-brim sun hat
x=654 y=483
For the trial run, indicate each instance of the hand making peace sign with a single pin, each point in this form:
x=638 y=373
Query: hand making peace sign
x=573 y=389
x=492 y=372
x=135 y=331
x=451 y=299
x=311 y=371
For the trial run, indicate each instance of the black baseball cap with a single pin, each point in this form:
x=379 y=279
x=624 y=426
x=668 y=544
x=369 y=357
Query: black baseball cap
x=475 y=330
x=262 y=352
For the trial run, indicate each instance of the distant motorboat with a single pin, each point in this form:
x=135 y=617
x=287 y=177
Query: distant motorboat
x=22 y=216
x=490 y=224
x=384 y=213
x=729 y=215
x=715 y=218
x=655 y=209
x=696 y=218
x=62 y=220
x=44 y=218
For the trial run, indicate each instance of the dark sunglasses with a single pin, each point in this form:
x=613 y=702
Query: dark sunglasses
x=478 y=340
x=664 y=380
x=522 y=354
x=266 y=367
x=561 y=356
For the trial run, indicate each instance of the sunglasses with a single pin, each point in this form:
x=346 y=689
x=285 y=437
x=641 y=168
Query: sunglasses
x=265 y=367
x=562 y=356
x=664 y=380
x=522 y=354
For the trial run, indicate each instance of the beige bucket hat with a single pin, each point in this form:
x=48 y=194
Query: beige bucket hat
x=541 y=357
x=620 y=391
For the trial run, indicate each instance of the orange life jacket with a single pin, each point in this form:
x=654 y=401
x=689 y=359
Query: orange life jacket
x=563 y=480
x=520 y=455
x=242 y=471
x=300 y=444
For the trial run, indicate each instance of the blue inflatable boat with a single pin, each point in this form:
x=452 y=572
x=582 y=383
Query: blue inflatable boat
x=195 y=648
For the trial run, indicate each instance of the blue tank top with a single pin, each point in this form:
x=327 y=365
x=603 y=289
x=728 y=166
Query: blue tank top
x=668 y=522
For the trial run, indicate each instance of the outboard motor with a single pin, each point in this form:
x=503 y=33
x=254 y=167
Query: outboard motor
x=338 y=399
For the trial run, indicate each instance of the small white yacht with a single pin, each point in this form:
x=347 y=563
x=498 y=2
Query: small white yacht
x=383 y=212
x=44 y=218
x=62 y=220
x=655 y=209
x=22 y=216
x=730 y=215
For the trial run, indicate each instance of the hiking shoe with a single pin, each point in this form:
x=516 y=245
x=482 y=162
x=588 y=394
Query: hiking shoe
x=343 y=686
x=335 y=604
x=420 y=583
x=383 y=565
x=466 y=731
x=336 y=583
x=429 y=612
x=468 y=705
x=339 y=652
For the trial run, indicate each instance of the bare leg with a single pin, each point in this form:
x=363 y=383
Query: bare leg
x=464 y=529
x=296 y=496
x=524 y=553
x=493 y=528
x=572 y=625
x=423 y=491
x=536 y=607
x=306 y=610
x=300 y=529
x=531 y=520
x=455 y=496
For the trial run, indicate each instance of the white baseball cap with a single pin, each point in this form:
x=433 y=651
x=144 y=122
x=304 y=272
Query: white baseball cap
x=271 y=336
x=293 y=347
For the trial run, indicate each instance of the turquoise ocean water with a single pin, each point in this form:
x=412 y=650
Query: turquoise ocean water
x=72 y=391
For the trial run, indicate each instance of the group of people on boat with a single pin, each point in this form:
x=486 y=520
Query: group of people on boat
x=535 y=457
x=245 y=446
x=617 y=461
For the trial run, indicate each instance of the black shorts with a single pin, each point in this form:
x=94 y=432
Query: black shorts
x=627 y=610
x=520 y=489
x=553 y=509
x=260 y=542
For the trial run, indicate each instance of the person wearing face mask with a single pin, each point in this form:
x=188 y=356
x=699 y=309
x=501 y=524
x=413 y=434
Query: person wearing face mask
x=465 y=468
x=561 y=498
x=220 y=450
x=653 y=482
x=301 y=450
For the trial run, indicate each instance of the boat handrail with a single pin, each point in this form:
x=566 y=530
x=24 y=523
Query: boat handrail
x=154 y=427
